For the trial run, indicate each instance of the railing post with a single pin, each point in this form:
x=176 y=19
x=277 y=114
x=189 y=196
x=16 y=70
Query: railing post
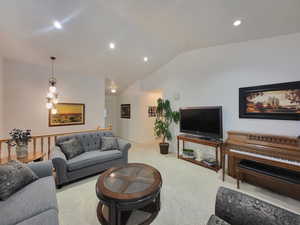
x=49 y=142
x=34 y=145
x=9 y=152
x=42 y=144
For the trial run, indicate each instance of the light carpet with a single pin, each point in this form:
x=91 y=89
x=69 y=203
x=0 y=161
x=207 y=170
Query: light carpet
x=187 y=196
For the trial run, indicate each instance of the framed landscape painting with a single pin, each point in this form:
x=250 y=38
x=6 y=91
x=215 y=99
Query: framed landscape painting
x=275 y=101
x=67 y=114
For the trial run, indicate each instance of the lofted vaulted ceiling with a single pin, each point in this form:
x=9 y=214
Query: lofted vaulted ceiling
x=158 y=29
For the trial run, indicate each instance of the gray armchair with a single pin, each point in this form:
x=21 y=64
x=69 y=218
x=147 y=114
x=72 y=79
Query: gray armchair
x=36 y=203
x=236 y=208
x=92 y=161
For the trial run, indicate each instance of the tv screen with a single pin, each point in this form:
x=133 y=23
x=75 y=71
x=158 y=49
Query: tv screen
x=205 y=121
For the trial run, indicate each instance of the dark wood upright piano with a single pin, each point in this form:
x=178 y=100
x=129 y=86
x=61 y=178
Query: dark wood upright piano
x=272 y=151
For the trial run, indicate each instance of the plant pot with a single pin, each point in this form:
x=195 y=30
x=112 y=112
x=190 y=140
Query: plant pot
x=22 y=151
x=164 y=148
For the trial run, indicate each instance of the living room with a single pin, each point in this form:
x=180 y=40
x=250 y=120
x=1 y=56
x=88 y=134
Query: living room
x=142 y=112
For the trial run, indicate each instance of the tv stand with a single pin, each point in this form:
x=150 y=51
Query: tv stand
x=199 y=137
x=217 y=144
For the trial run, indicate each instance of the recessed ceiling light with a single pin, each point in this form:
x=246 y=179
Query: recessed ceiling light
x=57 y=25
x=237 y=23
x=112 y=45
x=145 y=59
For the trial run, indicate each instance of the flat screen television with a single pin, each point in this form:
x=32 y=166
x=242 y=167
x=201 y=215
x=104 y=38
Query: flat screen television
x=202 y=121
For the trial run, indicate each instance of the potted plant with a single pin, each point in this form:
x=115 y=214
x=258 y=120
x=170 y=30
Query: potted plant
x=164 y=118
x=20 y=139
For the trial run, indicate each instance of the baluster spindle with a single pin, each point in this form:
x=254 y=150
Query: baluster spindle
x=49 y=142
x=34 y=146
x=42 y=144
x=9 y=152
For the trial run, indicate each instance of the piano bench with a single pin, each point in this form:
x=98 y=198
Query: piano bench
x=277 y=179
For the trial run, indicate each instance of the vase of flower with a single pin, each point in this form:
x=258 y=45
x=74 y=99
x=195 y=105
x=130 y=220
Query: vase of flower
x=20 y=139
x=22 y=151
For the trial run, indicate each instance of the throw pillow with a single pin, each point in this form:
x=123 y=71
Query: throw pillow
x=71 y=148
x=109 y=143
x=13 y=177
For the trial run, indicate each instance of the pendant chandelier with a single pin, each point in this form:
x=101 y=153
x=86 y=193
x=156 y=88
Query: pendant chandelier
x=52 y=96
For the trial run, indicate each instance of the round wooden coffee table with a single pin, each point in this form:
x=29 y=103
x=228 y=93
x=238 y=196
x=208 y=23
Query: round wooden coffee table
x=129 y=193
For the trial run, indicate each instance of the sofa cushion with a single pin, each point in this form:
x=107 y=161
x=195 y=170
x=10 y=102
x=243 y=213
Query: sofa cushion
x=71 y=148
x=13 y=177
x=90 y=141
x=109 y=143
x=34 y=199
x=49 y=217
x=91 y=158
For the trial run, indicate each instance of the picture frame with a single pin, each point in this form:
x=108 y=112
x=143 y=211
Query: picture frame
x=152 y=111
x=275 y=101
x=68 y=114
x=125 y=111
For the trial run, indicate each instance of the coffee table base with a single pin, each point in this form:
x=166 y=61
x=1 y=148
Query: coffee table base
x=142 y=216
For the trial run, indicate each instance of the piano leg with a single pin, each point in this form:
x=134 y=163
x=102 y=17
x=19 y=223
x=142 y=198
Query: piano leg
x=237 y=178
x=232 y=164
x=223 y=166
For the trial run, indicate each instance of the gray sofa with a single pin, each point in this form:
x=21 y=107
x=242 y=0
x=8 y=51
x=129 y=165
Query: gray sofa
x=36 y=203
x=92 y=161
x=236 y=208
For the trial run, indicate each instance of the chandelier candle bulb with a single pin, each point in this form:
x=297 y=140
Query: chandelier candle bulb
x=52 y=89
x=49 y=105
x=55 y=101
x=50 y=95
x=54 y=111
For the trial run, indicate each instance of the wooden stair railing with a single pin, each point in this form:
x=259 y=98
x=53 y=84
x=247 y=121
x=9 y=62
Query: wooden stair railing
x=39 y=144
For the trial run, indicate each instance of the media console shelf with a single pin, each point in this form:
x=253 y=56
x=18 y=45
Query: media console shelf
x=213 y=143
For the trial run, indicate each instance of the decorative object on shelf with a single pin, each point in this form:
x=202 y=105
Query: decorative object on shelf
x=275 y=101
x=164 y=118
x=210 y=162
x=68 y=114
x=20 y=139
x=125 y=111
x=52 y=96
x=152 y=111
x=188 y=153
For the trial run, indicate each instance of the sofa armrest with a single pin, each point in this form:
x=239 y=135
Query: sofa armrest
x=60 y=164
x=42 y=169
x=124 y=147
x=238 y=208
x=214 y=220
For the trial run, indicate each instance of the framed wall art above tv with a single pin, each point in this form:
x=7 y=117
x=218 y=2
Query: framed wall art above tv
x=275 y=101
x=67 y=114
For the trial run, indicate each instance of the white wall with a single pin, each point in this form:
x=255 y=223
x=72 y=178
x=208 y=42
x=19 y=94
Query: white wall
x=213 y=76
x=25 y=90
x=111 y=106
x=140 y=127
x=1 y=98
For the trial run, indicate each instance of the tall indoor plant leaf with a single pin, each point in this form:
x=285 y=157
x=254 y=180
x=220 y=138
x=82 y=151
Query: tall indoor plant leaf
x=164 y=118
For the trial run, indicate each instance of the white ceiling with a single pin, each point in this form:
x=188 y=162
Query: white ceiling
x=159 y=29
